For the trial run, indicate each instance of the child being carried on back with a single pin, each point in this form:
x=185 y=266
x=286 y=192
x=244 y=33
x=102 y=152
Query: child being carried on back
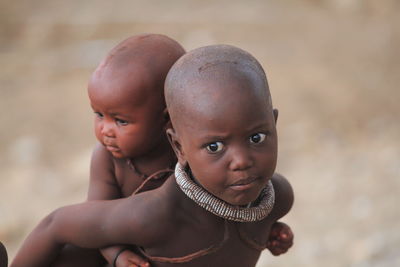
x=219 y=207
x=126 y=93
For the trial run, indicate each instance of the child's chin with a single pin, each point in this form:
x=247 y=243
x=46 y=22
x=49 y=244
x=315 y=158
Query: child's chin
x=117 y=154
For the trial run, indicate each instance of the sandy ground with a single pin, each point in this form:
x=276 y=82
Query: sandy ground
x=333 y=68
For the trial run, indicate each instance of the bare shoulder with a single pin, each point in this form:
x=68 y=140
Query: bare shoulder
x=154 y=213
x=102 y=162
x=101 y=155
x=284 y=196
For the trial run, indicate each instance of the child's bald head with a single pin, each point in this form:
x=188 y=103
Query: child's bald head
x=126 y=93
x=142 y=60
x=208 y=76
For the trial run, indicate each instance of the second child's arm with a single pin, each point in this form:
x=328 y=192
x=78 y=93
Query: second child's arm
x=281 y=236
x=103 y=185
x=93 y=224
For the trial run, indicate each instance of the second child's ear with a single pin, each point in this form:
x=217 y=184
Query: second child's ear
x=176 y=146
x=275 y=111
x=167 y=119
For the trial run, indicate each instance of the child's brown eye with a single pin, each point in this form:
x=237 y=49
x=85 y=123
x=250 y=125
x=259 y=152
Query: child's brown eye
x=215 y=147
x=257 y=138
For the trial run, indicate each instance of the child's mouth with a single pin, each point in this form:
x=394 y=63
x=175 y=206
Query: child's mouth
x=112 y=148
x=244 y=184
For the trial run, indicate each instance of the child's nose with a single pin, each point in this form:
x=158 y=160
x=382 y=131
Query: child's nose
x=107 y=129
x=241 y=159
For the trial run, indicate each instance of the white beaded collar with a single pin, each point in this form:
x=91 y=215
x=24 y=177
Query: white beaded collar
x=221 y=208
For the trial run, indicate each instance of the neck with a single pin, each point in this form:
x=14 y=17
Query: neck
x=187 y=207
x=160 y=157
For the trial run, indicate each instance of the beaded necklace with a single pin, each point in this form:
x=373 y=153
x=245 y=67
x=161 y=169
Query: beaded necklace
x=135 y=170
x=221 y=208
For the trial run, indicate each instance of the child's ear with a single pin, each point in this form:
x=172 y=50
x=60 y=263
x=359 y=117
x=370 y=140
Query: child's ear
x=167 y=120
x=176 y=146
x=275 y=111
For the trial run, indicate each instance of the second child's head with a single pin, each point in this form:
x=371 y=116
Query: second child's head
x=223 y=121
x=126 y=94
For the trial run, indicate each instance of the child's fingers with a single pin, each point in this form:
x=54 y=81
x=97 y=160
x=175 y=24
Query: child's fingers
x=130 y=259
x=140 y=265
x=280 y=249
x=137 y=261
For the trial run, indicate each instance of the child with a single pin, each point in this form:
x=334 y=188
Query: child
x=126 y=93
x=219 y=207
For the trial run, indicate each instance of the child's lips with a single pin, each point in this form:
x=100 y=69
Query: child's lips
x=111 y=148
x=244 y=184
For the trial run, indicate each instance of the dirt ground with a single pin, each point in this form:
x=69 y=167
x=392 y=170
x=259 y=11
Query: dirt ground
x=333 y=68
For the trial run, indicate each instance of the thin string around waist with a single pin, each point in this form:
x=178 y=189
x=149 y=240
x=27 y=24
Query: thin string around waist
x=249 y=241
x=194 y=255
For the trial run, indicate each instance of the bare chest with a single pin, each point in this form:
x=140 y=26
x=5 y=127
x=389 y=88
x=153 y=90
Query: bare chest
x=131 y=181
x=222 y=244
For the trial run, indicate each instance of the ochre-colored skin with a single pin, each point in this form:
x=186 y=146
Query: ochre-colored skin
x=164 y=221
x=126 y=95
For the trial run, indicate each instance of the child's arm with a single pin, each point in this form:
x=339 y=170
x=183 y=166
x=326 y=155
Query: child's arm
x=284 y=197
x=103 y=186
x=93 y=224
x=281 y=236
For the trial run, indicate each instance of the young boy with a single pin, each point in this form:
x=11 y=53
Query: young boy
x=219 y=207
x=126 y=93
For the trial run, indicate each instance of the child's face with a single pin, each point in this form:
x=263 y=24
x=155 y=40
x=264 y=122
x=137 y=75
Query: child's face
x=129 y=122
x=230 y=142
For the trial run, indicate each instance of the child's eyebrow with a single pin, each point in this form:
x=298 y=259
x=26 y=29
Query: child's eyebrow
x=214 y=137
x=263 y=125
x=116 y=114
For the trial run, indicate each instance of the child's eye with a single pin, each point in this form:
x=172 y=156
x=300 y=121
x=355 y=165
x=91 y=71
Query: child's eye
x=215 y=147
x=121 y=122
x=257 y=138
x=99 y=115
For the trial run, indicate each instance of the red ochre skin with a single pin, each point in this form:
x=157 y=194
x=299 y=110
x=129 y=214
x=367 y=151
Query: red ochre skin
x=236 y=144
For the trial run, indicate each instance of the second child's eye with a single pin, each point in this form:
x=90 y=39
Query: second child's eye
x=257 y=138
x=121 y=122
x=215 y=147
x=99 y=115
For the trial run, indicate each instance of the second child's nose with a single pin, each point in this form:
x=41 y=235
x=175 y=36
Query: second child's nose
x=107 y=129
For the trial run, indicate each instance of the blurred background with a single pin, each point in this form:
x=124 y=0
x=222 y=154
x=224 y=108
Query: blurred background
x=333 y=68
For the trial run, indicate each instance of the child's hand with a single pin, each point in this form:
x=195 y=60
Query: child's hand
x=128 y=258
x=280 y=238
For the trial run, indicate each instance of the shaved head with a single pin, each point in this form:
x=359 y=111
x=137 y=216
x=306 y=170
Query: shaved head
x=206 y=76
x=146 y=58
x=148 y=49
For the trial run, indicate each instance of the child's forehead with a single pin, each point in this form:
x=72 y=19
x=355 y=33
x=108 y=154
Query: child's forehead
x=134 y=80
x=216 y=79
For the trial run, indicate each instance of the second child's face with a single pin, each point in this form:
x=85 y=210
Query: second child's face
x=230 y=144
x=127 y=122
